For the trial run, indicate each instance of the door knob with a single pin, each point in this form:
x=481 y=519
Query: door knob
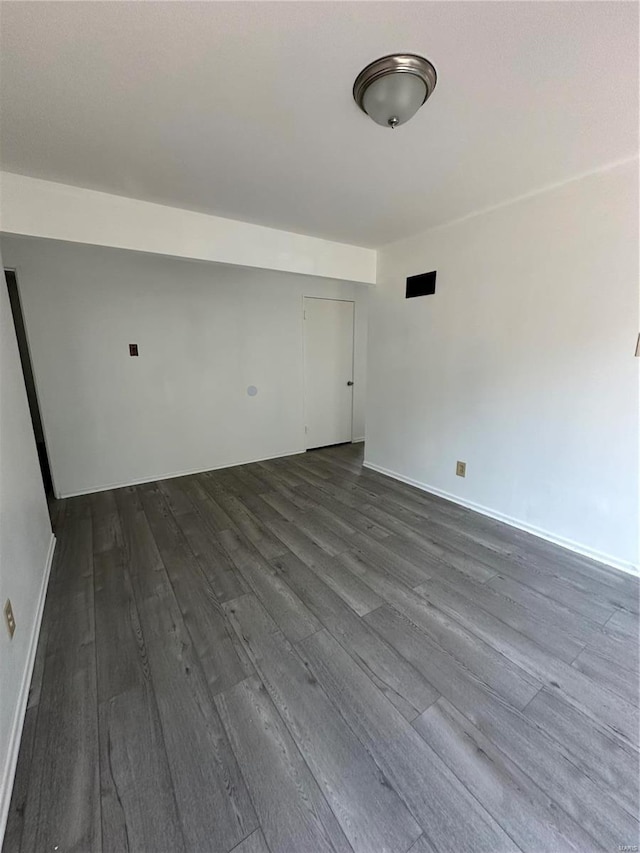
x=349 y=382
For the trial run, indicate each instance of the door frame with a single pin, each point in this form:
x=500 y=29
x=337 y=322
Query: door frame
x=29 y=359
x=304 y=365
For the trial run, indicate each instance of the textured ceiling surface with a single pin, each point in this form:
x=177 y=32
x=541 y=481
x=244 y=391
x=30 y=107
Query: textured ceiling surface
x=244 y=109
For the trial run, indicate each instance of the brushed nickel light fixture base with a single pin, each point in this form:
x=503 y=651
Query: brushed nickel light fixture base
x=393 y=88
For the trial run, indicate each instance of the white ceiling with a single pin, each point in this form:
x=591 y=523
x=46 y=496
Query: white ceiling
x=244 y=109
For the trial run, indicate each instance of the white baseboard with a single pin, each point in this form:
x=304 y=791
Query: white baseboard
x=11 y=762
x=569 y=544
x=95 y=489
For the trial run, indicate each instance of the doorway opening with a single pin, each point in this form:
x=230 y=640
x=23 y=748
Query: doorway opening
x=30 y=385
x=328 y=371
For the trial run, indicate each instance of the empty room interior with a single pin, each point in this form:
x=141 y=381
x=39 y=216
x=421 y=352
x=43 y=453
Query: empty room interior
x=319 y=426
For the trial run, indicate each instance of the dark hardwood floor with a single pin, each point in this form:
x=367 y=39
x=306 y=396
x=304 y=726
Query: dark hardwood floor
x=301 y=655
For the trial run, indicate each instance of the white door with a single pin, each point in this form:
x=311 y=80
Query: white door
x=328 y=371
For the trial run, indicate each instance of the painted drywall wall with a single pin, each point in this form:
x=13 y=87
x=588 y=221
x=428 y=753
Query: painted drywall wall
x=522 y=363
x=25 y=549
x=33 y=207
x=205 y=332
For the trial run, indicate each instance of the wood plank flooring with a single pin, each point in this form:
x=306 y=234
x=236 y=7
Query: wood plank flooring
x=304 y=656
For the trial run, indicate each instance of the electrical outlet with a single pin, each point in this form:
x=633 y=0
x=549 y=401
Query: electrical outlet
x=461 y=469
x=8 y=615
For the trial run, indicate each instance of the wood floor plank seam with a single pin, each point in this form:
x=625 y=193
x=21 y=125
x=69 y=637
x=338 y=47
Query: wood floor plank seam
x=534 y=786
x=475 y=700
x=259 y=828
x=253 y=843
x=222 y=694
x=370 y=824
x=387 y=669
x=550 y=671
x=183 y=806
x=404 y=599
x=237 y=668
x=95 y=653
x=177 y=842
x=152 y=690
x=524 y=707
x=376 y=746
x=344 y=845
x=489 y=559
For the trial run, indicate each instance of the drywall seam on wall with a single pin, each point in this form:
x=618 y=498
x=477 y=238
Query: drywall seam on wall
x=569 y=544
x=173 y=474
x=11 y=762
x=37 y=208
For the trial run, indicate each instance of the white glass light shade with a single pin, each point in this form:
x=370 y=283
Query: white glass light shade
x=394 y=98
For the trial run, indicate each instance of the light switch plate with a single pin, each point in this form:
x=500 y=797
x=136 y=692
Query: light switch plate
x=461 y=469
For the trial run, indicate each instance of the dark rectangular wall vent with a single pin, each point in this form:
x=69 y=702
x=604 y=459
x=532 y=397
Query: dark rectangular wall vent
x=421 y=285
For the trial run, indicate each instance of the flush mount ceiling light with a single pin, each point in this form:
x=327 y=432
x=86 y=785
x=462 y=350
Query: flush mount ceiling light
x=392 y=89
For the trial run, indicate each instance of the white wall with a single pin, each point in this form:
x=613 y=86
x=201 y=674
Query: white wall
x=521 y=364
x=30 y=206
x=25 y=549
x=205 y=333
